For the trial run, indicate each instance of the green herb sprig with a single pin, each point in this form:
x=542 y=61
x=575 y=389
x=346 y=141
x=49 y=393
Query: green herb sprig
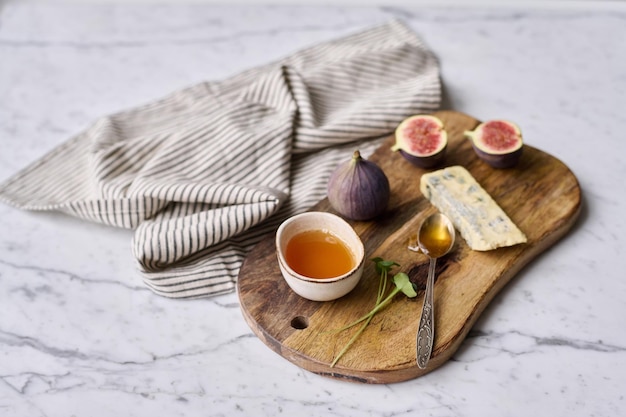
x=402 y=283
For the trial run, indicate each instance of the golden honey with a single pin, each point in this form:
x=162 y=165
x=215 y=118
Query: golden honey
x=318 y=254
x=435 y=239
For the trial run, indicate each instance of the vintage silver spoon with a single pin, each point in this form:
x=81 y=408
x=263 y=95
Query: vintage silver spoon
x=435 y=238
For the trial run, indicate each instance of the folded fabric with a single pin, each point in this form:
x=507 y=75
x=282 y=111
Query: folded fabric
x=203 y=174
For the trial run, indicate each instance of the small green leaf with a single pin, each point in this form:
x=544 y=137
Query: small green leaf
x=404 y=284
x=389 y=264
x=383 y=265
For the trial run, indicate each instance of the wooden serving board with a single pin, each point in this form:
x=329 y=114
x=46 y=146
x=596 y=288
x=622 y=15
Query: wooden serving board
x=541 y=195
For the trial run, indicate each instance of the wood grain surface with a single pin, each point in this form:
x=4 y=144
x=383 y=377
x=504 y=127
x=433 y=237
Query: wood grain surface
x=541 y=195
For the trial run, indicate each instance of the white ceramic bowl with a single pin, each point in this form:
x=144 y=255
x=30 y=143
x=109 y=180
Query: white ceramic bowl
x=320 y=289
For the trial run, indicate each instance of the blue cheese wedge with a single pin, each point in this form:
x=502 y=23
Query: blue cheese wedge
x=479 y=219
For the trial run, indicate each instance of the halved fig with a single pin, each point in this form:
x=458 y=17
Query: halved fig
x=422 y=140
x=497 y=142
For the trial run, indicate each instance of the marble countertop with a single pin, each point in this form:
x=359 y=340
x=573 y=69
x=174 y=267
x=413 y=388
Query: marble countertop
x=80 y=335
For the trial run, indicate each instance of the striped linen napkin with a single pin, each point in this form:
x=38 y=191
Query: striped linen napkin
x=204 y=173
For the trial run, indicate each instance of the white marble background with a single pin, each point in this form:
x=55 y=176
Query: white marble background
x=81 y=336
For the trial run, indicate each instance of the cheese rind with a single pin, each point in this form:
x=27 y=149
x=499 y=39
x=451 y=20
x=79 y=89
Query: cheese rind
x=479 y=219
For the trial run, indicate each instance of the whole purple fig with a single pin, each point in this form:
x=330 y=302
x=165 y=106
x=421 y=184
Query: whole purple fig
x=358 y=189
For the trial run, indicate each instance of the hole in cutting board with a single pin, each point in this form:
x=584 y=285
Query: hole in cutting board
x=300 y=322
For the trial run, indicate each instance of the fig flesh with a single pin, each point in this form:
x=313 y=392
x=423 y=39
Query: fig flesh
x=497 y=142
x=358 y=189
x=421 y=140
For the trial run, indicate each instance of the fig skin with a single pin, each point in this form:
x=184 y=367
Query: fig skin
x=502 y=158
x=500 y=161
x=425 y=160
x=358 y=189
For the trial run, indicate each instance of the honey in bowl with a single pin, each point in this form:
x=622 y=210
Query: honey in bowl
x=318 y=254
x=323 y=264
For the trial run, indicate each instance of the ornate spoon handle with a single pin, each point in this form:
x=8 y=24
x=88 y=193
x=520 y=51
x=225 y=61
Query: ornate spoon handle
x=426 y=330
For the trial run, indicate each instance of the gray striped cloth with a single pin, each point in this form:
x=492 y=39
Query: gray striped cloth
x=204 y=173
